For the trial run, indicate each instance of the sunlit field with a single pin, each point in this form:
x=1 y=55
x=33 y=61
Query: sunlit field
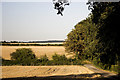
x=38 y=50
x=43 y=71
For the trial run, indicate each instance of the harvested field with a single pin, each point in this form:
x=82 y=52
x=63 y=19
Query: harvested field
x=38 y=50
x=43 y=71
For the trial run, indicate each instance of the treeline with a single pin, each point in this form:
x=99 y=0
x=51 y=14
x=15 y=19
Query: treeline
x=49 y=41
x=97 y=37
x=28 y=44
x=26 y=57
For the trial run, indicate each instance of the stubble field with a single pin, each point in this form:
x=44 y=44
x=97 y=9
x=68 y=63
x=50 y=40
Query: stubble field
x=43 y=71
x=40 y=71
x=76 y=71
x=38 y=50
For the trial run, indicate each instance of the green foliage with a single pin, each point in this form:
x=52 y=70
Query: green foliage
x=97 y=37
x=59 y=59
x=44 y=58
x=106 y=16
x=62 y=60
x=24 y=56
x=114 y=68
x=82 y=40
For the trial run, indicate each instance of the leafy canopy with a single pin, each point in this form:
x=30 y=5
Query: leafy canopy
x=23 y=55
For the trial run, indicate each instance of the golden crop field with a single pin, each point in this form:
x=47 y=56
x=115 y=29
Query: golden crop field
x=38 y=50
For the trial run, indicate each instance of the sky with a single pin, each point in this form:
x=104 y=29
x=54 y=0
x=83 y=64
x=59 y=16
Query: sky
x=26 y=21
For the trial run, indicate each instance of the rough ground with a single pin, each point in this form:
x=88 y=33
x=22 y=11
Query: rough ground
x=66 y=72
x=42 y=71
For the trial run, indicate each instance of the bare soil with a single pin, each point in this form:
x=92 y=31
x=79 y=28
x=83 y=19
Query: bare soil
x=43 y=71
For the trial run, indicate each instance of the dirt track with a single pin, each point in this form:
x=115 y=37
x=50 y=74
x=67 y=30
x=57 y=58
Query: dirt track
x=102 y=72
x=42 y=71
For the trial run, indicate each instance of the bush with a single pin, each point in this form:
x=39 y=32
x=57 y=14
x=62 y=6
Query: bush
x=23 y=56
x=62 y=60
x=26 y=57
x=43 y=60
x=114 y=68
x=59 y=59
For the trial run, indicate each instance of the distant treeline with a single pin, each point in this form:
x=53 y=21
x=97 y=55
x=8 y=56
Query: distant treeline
x=17 y=44
x=49 y=41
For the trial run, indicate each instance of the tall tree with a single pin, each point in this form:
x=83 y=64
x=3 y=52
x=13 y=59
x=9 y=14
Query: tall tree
x=106 y=15
x=81 y=40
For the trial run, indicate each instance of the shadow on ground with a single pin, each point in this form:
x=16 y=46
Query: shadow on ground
x=94 y=76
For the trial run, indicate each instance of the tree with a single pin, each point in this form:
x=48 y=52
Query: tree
x=106 y=15
x=59 y=60
x=74 y=43
x=82 y=40
x=24 y=56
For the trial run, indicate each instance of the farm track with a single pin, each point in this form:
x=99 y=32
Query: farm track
x=100 y=71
